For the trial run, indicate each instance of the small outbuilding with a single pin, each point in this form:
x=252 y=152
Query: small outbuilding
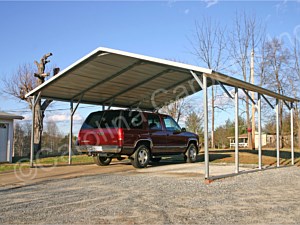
x=7 y=135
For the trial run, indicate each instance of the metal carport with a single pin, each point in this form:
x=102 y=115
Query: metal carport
x=122 y=79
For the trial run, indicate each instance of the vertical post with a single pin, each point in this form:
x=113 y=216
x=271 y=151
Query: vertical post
x=292 y=134
x=71 y=133
x=236 y=97
x=259 y=132
x=32 y=130
x=277 y=133
x=206 y=153
x=253 y=96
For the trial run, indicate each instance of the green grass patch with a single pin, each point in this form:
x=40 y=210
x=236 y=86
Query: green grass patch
x=11 y=167
x=58 y=160
x=77 y=159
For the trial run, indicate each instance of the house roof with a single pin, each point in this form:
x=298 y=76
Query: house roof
x=9 y=116
x=122 y=79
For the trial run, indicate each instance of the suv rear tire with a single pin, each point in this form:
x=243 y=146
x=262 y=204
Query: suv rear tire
x=102 y=161
x=191 y=154
x=141 y=157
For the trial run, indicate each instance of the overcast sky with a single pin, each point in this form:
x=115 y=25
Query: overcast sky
x=156 y=28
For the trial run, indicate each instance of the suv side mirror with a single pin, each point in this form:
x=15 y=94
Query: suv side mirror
x=183 y=129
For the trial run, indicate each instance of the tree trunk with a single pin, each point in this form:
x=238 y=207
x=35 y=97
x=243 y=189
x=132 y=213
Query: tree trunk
x=38 y=127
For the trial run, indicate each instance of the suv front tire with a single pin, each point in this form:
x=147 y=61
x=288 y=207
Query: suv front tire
x=191 y=154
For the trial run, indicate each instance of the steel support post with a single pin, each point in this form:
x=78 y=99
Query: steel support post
x=206 y=153
x=292 y=135
x=71 y=132
x=236 y=98
x=32 y=131
x=259 y=132
x=277 y=133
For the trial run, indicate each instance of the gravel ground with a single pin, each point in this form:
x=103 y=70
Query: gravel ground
x=267 y=197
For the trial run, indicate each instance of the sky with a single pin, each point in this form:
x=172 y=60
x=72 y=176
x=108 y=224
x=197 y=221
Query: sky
x=160 y=29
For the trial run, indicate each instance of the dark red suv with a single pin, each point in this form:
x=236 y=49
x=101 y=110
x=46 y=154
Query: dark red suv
x=142 y=136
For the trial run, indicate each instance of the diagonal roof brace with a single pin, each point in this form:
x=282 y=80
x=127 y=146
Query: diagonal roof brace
x=224 y=89
x=197 y=79
x=110 y=78
x=246 y=93
x=287 y=105
x=269 y=103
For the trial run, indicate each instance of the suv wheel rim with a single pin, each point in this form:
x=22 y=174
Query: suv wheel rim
x=143 y=157
x=193 y=153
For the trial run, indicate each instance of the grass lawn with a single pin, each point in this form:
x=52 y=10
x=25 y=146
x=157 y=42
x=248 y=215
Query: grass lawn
x=246 y=156
x=77 y=159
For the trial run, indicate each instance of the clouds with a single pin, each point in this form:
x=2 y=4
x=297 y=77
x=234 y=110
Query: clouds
x=64 y=117
x=210 y=3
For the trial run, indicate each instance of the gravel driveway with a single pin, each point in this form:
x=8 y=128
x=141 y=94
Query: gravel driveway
x=271 y=196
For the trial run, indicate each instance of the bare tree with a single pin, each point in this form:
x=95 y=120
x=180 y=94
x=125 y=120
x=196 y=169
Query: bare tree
x=295 y=83
x=25 y=80
x=193 y=122
x=277 y=69
x=176 y=109
x=246 y=36
x=209 y=46
x=52 y=137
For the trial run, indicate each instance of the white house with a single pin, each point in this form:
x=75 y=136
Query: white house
x=243 y=140
x=7 y=135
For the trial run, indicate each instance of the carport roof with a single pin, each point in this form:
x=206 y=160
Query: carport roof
x=122 y=79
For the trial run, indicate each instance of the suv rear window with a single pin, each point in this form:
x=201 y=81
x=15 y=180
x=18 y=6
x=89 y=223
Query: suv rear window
x=103 y=119
x=114 y=119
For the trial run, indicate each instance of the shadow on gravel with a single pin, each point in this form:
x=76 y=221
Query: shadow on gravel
x=214 y=178
x=180 y=160
x=284 y=154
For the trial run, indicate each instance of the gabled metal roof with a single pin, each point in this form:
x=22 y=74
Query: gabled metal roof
x=123 y=79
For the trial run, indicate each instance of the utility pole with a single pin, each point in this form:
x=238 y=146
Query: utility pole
x=253 y=97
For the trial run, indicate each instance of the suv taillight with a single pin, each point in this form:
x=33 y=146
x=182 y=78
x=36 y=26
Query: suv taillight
x=120 y=136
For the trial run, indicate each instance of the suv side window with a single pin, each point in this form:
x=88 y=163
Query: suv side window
x=132 y=120
x=154 y=122
x=170 y=124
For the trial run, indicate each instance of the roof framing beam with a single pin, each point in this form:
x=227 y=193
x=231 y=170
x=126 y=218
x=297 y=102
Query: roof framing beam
x=109 y=78
x=163 y=89
x=137 y=85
